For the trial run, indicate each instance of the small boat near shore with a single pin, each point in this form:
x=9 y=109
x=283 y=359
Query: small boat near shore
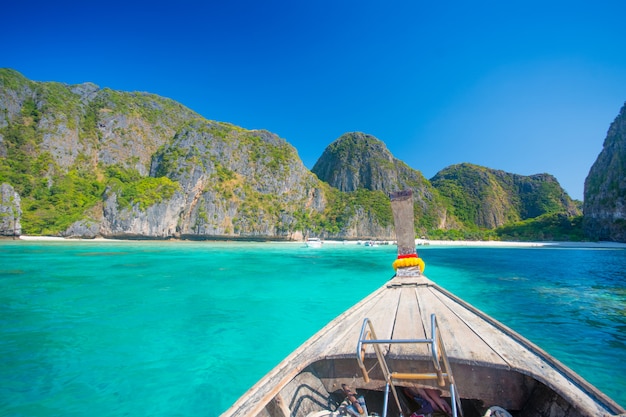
x=314 y=242
x=411 y=348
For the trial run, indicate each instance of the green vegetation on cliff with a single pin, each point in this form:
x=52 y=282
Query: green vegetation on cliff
x=132 y=189
x=362 y=166
x=547 y=227
x=52 y=197
x=376 y=203
x=487 y=198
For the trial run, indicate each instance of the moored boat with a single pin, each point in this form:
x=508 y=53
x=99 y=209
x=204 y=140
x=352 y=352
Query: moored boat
x=314 y=242
x=412 y=340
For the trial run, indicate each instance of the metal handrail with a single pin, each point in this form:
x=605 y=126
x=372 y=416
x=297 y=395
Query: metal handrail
x=438 y=354
x=360 y=350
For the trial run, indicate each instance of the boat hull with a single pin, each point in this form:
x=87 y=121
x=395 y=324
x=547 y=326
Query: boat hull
x=313 y=243
x=492 y=364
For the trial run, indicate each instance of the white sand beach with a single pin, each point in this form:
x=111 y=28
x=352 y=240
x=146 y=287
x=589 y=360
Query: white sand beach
x=493 y=243
x=418 y=242
x=57 y=239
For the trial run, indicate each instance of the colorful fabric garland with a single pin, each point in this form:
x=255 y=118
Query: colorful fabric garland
x=408 y=262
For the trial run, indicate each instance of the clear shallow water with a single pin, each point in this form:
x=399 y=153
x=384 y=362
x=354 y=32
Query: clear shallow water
x=105 y=329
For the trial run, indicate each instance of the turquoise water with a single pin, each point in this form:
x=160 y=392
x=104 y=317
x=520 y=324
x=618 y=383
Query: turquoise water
x=105 y=329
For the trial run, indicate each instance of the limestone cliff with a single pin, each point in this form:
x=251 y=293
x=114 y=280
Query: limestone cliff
x=236 y=182
x=490 y=198
x=360 y=161
x=85 y=161
x=10 y=211
x=89 y=162
x=77 y=124
x=605 y=187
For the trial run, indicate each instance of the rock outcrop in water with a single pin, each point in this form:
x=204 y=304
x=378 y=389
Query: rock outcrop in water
x=605 y=187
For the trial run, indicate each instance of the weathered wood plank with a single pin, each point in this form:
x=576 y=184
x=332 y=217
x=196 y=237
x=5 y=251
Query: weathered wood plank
x=460 y=340
x=381 y=312
x=409 y=324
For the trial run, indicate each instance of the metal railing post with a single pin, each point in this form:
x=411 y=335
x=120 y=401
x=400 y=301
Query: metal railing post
x=440 y=362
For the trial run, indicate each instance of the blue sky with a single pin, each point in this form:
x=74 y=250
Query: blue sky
x=522 y=86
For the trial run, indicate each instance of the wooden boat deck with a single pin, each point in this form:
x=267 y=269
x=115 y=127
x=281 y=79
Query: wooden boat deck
x=478 y=347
